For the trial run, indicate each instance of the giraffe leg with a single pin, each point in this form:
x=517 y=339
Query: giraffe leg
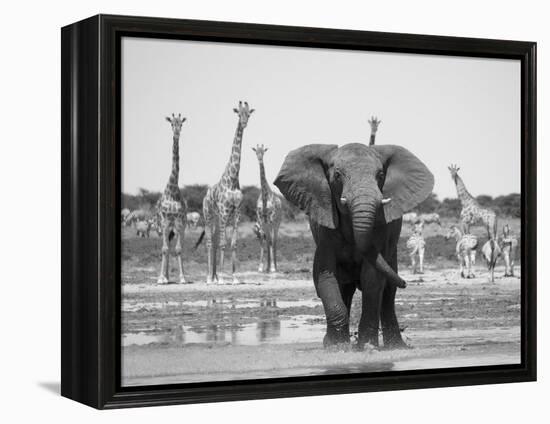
x=261 y=266
x=180 y=230
x=421 y=259
x=461 y=262
x=413 y=262
x=467 y=264
x=234 y=235
x=472 y=262
x=222 y=236
x=275 y=237
x=208 y=234
x=272 y=267
x=163 y=277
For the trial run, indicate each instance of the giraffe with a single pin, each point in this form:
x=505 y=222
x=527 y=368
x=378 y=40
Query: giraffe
x=466 y=245
x=172 y=208
x=221 y=205
x=416 y=245
x=509 y=246
x=269 y=213
x=472 y=213
x=374 y=122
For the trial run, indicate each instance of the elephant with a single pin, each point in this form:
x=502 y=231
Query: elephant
x=355 y=196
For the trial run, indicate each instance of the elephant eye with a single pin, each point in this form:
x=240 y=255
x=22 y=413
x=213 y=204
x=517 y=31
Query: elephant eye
x=381 y=175
x=337 y=174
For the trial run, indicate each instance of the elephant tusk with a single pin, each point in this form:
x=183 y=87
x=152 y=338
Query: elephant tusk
x=386 y=201
x=343 y=200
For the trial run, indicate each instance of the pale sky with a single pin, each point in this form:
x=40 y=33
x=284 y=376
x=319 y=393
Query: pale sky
x=443 y=109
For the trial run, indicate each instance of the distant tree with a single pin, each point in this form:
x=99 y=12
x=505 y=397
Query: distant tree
x=509 y=205
x=450 y=208
x=248 y=206
x=431 y=204
x=148 y=199
x=194 y=194
x=485 y=200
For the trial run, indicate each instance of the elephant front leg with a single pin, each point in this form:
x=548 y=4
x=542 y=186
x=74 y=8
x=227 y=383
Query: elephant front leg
x=326 y=284
x=372 y=285
x=391 y=333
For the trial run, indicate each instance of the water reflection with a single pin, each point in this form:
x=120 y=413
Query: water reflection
x=218 y=303
x=297 y=329
x=224 y=325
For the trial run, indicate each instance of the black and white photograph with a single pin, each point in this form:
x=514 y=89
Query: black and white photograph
x=292 y=211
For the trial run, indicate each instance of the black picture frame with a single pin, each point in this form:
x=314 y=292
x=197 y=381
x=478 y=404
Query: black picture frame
x=90 y=178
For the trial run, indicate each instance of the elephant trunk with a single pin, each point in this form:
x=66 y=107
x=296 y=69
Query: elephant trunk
x=364 y=209
x=381 y=265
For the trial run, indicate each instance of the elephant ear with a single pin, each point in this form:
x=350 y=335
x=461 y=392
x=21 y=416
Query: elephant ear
x=303 y=181
x=408 y=181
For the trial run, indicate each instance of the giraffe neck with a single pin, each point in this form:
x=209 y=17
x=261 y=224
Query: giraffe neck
x=265 y=190
x=462 y=192
x=174 y=175
x=231 y=173
x=372 y=137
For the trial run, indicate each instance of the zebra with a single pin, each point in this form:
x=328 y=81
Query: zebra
x=410 y=217
x=193 y=219
x=466 y=245
x=430 y=218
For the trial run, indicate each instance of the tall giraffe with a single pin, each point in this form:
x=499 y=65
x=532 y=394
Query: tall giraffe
x=269 y=211
x=472 y=214
x=172 y=208
x=221 y=205
x=374 y=122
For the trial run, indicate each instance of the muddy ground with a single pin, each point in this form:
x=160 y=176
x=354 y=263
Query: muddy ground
x=273 y=325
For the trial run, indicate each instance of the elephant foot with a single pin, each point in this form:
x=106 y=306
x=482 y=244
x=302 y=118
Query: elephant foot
x=396 y=345
x=339 y=347
x=365 y=347
x=392 y=339
x=336 y=338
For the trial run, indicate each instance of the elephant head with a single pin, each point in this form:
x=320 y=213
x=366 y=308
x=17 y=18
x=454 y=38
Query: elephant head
x=368 y=184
